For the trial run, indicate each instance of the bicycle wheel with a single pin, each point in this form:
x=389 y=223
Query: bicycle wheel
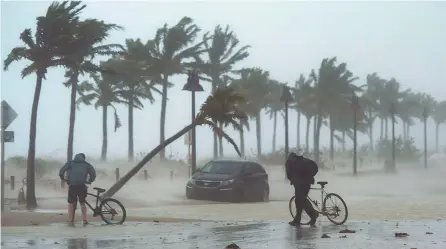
x=335 y=209
x=305 y=219
x=113 y=208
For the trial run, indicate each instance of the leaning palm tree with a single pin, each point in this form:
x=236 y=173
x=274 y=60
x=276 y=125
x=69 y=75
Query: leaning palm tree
x=87 y=43
x=439 y=117
x=44 y=50
x=298 y=96
x=222 y=56
x=222 y=105
x=104 y=92
x=274 y=106
x=171 y=48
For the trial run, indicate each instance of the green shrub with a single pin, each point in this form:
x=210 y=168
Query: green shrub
x=405 y=150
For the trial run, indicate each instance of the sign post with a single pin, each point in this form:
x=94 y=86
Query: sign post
x=8 y=116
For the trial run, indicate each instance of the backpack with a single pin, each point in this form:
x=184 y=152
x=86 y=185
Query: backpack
x=311 y=167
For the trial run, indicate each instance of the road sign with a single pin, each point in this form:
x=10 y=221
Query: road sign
x=7 y=137
x=8 y=115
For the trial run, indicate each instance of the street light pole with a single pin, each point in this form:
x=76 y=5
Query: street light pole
x=355 y=108
x=193 y=85
x=286 y=98
x=425 y=116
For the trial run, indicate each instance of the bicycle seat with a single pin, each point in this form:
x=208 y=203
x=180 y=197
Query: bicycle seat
x=100 y=190
x=322 y=183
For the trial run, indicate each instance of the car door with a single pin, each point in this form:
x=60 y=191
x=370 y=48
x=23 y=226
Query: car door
x=253 y=179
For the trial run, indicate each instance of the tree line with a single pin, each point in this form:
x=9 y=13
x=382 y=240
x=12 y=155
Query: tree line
x=138 y=72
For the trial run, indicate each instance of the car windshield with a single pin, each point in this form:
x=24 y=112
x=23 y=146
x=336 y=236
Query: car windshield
x=227 y=168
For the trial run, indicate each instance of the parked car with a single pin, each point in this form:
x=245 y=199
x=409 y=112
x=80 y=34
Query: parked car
x=229 y=180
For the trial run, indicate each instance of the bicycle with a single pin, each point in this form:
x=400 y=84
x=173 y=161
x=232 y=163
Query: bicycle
x=104 y=203
x=331 y=212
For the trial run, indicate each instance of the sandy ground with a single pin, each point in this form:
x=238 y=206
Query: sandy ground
x=413 y=193
x=18 y=219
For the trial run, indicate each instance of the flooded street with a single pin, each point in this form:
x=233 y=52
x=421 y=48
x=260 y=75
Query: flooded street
x=273 y=234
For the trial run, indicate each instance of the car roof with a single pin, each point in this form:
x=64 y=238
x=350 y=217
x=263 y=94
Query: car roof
x=236 y=160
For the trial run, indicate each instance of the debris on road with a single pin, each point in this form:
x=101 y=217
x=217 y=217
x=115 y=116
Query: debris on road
x=347 y=231
x=232 y=246
x=325 y=236
x=401 y=235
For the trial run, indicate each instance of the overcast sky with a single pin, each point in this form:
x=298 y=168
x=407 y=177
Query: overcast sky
x=401 y=40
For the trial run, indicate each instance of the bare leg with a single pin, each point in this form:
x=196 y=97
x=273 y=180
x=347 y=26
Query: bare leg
x=84 y=211
x=70 y=212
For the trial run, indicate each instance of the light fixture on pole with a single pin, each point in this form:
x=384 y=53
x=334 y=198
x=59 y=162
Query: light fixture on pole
x=193 y=85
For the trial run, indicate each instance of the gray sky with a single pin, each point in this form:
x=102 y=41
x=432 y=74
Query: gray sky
x=401 y=40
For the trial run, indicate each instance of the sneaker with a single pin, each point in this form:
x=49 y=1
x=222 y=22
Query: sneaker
x=85 y=223
x=313 y=220
x=70 y=224
x=294 y=223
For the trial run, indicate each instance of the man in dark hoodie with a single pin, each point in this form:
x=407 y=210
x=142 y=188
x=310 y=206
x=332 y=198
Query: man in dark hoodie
x=78 y=170
x=301 y=171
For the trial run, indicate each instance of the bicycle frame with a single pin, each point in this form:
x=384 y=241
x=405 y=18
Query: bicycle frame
x=323 y=194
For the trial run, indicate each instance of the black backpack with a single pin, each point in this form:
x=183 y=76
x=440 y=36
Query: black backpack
x=312 y=167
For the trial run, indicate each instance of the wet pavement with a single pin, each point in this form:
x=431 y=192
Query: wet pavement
x=428 y=234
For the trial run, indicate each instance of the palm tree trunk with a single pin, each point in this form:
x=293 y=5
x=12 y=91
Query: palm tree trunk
x=215 y=135
x=387 y=128
x=31 y=202
x=331 y=139
x=371 y=129
x=382 y=129
x=118 y=185
x=343 y=141
x=163 y=115
x=298 y=130
x=72 y=117
x=307 y=135
x=314 y=132
x=319 y=125
x=437 y=130
x=242 y=140
x=408 y=131
x=274 y=130
x=130 y=148
x=404 y=131
x=220 y=142
x=258 y=135
x=104 y=134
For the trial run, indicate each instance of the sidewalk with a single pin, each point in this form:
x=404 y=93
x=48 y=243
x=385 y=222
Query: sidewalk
x=248 y=235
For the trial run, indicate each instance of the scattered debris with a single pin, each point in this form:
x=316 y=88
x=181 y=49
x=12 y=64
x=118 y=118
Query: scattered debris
x=232 y=246
x=401 y=235
x=156 y=221
x=343 y=237
x=347 y=231
x=325 y=236
x=429 y=233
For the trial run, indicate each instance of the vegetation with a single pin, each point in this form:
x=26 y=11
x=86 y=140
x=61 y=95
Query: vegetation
x=138 y=73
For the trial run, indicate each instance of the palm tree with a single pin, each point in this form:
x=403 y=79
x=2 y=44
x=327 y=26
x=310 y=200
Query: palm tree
x=104 y=91
x=439 y=117
x=274 y=105
x=253 y=84
x=86 y=45
x=137 y=78
x=222 y=105
x=333 y=89
x=171 y=48
x=307 y=108
x=298 y=95
x=369 y=102
x=222 y=56
x=44 y=51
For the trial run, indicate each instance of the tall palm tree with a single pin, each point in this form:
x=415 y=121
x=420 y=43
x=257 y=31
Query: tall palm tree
x=45 y=50
x=333 y=88
x=370 y=102
x=138 y=79
x=439 y=117
x=171 y=48
x=87 y=43
x=253 y=84
x=104 y=91
x=307 y=108
x=223 y=53
x=222 y=105
x=274 y=106
x=298 y=96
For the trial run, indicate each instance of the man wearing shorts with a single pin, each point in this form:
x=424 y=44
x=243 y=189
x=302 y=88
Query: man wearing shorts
x=77 y=170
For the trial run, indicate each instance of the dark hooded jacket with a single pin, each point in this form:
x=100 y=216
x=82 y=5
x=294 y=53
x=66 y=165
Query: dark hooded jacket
x=299 y=170
x=78 y=170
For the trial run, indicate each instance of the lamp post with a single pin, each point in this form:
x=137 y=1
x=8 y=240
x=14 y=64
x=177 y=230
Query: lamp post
x=286 y=98
x=355 y=108
x=393 y=112
x=193 y=85
x=425 y=116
